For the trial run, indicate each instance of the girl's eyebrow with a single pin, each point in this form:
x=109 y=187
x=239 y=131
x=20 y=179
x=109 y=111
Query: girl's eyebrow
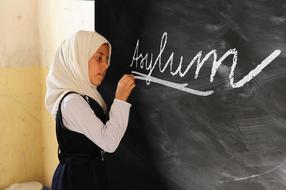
x=102 y=54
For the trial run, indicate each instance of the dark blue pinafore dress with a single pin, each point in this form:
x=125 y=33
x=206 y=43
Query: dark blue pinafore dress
x=82 y=165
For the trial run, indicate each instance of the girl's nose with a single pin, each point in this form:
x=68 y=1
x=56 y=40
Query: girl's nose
x=105 y=65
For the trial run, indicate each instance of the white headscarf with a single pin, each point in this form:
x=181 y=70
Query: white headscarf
x=69 y=71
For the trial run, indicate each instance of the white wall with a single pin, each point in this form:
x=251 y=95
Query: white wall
x=60 y=18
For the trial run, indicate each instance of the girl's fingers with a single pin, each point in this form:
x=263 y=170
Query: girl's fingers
x=129 y=79
x=131 y=82
x=132 y=86
x=128 y=76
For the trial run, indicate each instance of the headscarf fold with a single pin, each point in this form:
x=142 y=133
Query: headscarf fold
x=69 y=71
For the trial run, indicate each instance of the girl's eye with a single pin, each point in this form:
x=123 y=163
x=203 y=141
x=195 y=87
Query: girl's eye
x=101 y=59
x=98 y=58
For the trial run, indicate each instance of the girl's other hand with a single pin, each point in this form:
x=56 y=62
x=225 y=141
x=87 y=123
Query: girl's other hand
x=124 y=87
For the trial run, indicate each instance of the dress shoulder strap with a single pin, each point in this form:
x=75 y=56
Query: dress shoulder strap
x=59 y=122
x=59 y=112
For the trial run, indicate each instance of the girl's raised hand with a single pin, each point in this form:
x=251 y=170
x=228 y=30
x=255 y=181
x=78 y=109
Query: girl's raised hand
x=124 y=87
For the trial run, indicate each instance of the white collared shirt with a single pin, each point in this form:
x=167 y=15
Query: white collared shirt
x=78 y=116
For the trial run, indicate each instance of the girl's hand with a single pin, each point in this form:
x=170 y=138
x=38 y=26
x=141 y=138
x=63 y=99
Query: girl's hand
x=125 y=86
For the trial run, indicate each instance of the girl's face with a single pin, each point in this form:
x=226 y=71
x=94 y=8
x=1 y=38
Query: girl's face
x=98 y=64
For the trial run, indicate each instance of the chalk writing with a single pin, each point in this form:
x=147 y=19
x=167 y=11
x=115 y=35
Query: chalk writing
x=148 y=63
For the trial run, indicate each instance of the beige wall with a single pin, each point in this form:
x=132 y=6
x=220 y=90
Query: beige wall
x=18 y=33
x=21 y=146
x=30 y=33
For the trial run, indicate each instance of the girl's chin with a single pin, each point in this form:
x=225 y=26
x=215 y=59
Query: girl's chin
x=96 y=83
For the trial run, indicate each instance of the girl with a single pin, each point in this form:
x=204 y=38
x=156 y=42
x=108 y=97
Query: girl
x=83 y=132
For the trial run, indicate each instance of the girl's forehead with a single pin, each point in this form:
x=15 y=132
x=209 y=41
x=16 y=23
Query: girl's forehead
x=104 y=48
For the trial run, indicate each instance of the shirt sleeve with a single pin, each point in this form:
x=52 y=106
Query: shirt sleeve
x=78 y=116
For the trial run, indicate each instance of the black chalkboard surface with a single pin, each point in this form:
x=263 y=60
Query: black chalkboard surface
x=209 y=108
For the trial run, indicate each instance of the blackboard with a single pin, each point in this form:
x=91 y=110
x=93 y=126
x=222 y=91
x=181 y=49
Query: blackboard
x=212 y=126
